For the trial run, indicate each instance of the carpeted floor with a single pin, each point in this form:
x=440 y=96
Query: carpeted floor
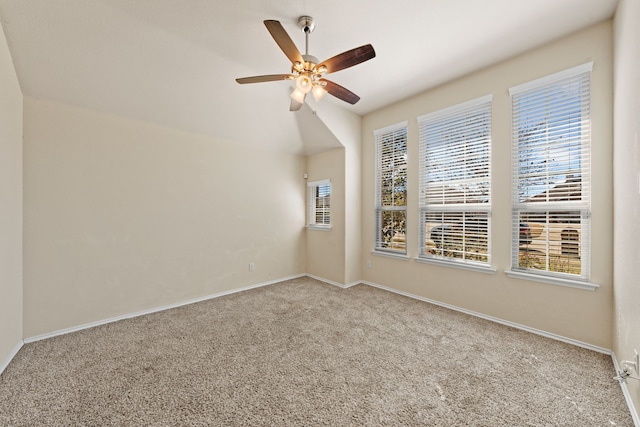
x=302 y=352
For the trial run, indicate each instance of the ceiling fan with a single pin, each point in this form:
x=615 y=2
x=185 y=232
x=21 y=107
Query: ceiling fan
x=306 y=70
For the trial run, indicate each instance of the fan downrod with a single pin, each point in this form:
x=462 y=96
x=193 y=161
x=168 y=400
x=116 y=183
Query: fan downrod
x=307 y=24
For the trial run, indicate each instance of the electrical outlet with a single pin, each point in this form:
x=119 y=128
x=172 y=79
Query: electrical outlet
x=637 y=360
x=368 y=263
x=252 y=266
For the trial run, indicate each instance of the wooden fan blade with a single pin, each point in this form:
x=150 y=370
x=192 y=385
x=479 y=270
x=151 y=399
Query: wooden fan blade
x=283 y=40
x=340 y=92
x=349 y=58
x=267 y=78
x=295 y=105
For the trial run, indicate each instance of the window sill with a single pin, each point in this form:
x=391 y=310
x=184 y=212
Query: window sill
x=390 y=255
x=319 y=227
x=459 y=265
x=552 y=280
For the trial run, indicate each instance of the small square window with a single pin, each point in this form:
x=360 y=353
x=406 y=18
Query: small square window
x=319 y=214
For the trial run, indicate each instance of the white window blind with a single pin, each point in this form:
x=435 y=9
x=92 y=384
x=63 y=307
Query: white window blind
x=551 y=175
x=391 y=188
x=319 y=197
x=455 y=183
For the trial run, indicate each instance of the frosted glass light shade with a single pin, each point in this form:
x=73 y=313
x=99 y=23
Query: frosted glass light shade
x=318 y=92
x=298 y=96
x=303 y=84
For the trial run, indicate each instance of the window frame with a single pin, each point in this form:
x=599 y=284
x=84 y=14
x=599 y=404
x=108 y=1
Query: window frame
x=561 y=156
x=312 y=205
x=397 y=132
x=470 y=122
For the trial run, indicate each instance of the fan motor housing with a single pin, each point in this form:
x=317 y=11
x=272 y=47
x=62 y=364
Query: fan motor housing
x=310 y=62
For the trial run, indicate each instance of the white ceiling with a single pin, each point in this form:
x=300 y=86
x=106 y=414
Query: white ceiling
x=174 y=62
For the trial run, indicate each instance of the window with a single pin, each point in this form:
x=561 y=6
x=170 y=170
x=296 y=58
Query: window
x=551 y=174
x=455 y=183
x=391 y=188
x=319 y=197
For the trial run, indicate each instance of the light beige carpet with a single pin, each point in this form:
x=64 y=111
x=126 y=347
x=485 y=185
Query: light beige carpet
x=303 y=352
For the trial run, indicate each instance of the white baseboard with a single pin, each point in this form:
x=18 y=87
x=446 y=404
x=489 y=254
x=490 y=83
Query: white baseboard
x=154 y=310
x=626 y=393
x=11 y=356
x=495 y=319
x=331 y=282
x=343 y=286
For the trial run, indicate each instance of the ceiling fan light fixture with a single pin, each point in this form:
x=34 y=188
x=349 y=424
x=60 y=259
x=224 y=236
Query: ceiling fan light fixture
x=306 y=70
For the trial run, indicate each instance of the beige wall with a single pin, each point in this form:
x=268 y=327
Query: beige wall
x=577 y=314
x=347 y=128
x=10 y=206
x=123 y=216
x=325 y=248
x=626 y=180
x=353 y=204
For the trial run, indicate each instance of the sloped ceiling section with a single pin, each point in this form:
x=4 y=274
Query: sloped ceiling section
x=174 y=62
x=316 y=135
